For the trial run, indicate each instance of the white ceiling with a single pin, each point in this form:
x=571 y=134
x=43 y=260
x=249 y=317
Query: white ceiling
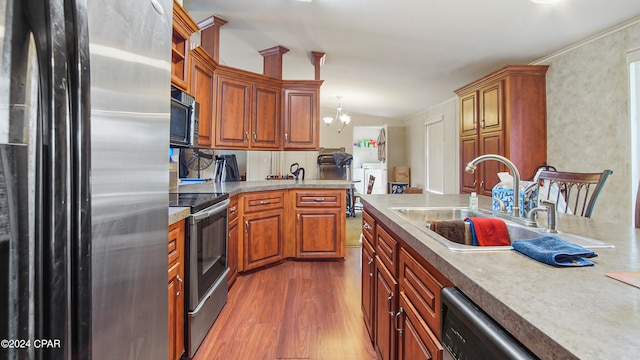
x=393 y=58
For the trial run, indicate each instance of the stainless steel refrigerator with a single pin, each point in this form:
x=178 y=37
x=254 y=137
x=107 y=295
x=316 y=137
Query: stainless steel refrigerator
x=84 y=136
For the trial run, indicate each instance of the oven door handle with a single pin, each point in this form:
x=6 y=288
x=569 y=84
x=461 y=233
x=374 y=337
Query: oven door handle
x=216 y=209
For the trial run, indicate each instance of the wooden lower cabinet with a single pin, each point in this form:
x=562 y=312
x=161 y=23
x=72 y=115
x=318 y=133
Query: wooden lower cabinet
x=386 y=304
x=263 y=241
x=415 y=339
x=404 y=316
x=368 y=285
x=319 y=234
x=232 y=241
x=176 y=290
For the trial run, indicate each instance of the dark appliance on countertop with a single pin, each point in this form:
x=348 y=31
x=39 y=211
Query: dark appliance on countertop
x=185 y=116
x=334 y=166
x=206 y=265
x=469 y=333
x=295 y=169
x=226 y=168
x=83 y=234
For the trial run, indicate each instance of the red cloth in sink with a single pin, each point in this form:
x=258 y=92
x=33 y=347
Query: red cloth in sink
x=490 y=231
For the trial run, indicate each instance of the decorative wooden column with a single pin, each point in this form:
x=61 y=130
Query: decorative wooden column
x=210 y=35
x=318 y=61
x=273 y=61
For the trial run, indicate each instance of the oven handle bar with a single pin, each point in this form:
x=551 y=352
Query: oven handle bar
x=210 y=211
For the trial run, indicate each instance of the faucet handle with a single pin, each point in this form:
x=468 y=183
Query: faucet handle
x=552 y=215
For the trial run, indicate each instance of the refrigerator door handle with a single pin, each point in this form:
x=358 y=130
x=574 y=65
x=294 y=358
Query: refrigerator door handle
x=78 y=56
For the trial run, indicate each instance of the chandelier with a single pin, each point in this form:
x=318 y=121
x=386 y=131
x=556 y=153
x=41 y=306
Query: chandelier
x=343 y=118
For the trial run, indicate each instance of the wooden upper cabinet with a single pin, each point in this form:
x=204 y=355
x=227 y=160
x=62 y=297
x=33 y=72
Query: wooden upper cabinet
x=468 y=114
x=233 y=111
x=301 y=115
x=491 y=108
x=265 y=117
x=202 y=87
x=183 y=27
x=503 y=113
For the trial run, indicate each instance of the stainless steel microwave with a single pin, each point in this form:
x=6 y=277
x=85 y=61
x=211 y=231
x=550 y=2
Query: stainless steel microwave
x=184 y=119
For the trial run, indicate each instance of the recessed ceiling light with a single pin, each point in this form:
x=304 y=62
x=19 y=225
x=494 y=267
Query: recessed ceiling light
x=545 y=1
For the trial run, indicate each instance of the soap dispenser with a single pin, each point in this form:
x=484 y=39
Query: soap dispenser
x=473 y=201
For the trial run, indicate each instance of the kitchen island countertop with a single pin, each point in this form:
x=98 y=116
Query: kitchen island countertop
x=558 y=313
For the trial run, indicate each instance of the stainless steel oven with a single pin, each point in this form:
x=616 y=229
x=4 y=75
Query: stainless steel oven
x=206 y=265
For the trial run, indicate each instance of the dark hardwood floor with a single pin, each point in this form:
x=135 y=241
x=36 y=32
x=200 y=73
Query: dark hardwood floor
x=295 y=310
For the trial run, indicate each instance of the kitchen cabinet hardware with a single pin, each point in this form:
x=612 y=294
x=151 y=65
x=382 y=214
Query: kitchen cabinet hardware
x=390 y=300
x=318 y=199
x=263 y=202
x=255 y=136
x=233 y=209
x=181 y=285
x=246 y=136
x=246 y=226
x=398 y=314
x=366 y=226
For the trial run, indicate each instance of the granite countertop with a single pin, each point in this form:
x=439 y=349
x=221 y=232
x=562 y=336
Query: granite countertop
x=558 y=313
x=237 y=187
x=233 y=188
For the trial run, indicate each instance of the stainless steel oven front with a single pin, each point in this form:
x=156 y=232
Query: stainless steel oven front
x=206 y=267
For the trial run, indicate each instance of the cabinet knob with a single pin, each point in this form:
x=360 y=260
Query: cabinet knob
x=366 y=226
x=233 y=209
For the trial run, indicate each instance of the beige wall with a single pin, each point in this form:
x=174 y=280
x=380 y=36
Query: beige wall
x=588 y=122
x=415 y=139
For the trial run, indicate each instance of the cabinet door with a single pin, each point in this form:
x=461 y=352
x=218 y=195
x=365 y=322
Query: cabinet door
x=421 y=289
x=319 y=233
x=468 y=114
x=491 y=143
x=300 y=119
x=233 y=111
x=491 y=108
x=176 y=312
x=265 y=117
x=387 y=250
x=415 y=340
x=202 y=88
x=468 y=152
x=368 y=286
x=232 y=252
x=386 y=305
x=262 y=239
x=232 y=245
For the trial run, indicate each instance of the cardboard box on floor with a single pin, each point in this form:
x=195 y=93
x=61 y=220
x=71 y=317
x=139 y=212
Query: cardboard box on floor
x=401 y=174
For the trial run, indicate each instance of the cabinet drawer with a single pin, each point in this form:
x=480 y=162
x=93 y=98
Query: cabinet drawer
x=422 y=289
x=176 y=235
x=233 y=209
x=319 y=198
x=369 y=228
x=263 y=201
x=387 y=250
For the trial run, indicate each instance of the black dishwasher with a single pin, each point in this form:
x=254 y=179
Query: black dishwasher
x=469 y=333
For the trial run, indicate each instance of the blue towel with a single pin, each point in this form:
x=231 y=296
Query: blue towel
x=553 y=250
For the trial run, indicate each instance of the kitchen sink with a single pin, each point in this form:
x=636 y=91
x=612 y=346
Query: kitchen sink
x=421 y=218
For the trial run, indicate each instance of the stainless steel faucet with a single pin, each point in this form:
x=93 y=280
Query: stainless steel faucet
x=552 y=217
x=471 y=168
